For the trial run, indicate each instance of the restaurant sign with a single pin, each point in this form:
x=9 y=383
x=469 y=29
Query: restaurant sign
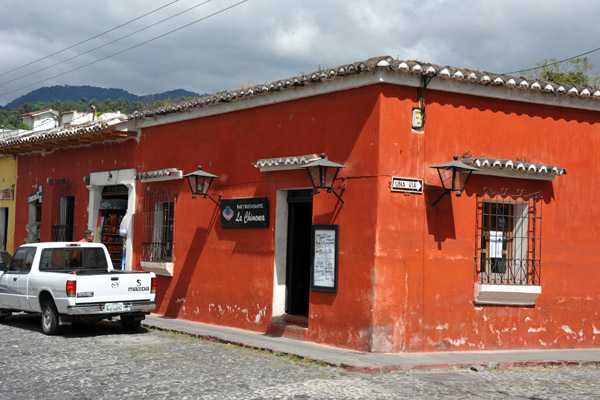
x=245 y=213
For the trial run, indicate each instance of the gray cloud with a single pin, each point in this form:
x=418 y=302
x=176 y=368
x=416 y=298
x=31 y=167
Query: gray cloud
x=264 y=40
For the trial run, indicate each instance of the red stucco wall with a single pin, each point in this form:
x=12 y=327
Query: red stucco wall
x=225 y=276
x=406 y=270
x=72 y=164
x=428 y=254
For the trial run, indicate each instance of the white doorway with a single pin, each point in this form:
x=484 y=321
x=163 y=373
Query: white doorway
x=98 y=181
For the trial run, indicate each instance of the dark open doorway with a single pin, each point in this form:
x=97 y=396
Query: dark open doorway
x=113 y=208
x=3 y=227
x=298 y=252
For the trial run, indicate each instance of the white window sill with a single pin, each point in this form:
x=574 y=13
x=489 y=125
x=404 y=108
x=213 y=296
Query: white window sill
x=164 y=269
x=511 y=295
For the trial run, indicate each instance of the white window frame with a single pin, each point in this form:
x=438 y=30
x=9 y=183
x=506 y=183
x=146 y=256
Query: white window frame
x=519 y=283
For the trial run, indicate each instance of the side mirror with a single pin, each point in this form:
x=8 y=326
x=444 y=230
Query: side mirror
x=3 y=267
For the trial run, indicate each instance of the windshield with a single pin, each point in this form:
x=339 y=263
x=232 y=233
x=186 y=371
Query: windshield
x=67 y=260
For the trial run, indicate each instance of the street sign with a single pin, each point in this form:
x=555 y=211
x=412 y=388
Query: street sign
x=407 y=185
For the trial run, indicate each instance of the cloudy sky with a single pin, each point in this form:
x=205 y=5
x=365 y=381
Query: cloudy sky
x=218 y=45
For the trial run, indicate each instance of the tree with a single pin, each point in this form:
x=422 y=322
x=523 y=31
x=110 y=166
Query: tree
x=138 y=105
x=105 y=106
x=68 y=105
x=25 y=109
x=577 y=71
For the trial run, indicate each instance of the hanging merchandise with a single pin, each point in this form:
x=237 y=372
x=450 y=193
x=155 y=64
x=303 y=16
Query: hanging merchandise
x=111 y=216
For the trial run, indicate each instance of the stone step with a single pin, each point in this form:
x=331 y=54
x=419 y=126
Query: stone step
x=290 y=326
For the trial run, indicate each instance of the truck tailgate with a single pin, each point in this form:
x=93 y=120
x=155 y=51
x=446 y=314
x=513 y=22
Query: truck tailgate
x=117 y=286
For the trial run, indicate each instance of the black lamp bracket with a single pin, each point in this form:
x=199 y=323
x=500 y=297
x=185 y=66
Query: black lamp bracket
x=332 y=190
x=218 y=203
x=336 y=195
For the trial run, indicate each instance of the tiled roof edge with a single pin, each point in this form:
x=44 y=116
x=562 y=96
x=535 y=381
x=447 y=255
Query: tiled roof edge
x=519 y=166
x=379 y=63
x=37 y=136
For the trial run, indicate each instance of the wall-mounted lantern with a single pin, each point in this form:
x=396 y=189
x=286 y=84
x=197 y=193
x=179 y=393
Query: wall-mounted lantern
x=200 y=182
x=323 y=173
x=454 y=176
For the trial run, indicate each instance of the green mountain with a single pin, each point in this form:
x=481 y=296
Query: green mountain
x=76 y=93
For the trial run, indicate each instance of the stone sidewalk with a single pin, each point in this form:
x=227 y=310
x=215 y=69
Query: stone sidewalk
x=377 y=362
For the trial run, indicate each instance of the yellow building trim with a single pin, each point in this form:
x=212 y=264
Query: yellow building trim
x=8 y=193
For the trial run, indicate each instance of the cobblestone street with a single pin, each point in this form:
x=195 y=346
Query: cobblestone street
x=100 y=361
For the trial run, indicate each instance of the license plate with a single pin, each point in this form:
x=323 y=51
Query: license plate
x=113 y=307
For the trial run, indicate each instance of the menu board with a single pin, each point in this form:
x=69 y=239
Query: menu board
x=324 y=258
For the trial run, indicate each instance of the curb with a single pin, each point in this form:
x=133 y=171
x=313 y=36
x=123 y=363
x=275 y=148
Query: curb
x=474 y=366
x=215 y=339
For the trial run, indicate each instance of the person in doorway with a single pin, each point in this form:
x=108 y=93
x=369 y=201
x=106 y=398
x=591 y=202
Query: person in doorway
x=88 y=236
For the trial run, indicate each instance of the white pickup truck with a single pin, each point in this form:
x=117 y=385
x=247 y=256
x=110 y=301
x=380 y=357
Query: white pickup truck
x=67 y=281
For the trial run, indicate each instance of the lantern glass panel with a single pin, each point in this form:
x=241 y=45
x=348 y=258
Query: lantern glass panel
x=193 y=185
x=330 y=174
x=446 y=178
x=314 y=174
x=204 y=185
x=200 y=185
x=323 y=177
x=461 y=179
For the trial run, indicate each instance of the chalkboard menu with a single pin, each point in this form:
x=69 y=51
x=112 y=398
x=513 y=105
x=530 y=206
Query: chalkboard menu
x=324 y=258
x=245 y=213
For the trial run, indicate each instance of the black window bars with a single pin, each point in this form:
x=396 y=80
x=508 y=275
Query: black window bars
x=508 y=238
x=63 y=211
x=157 y=234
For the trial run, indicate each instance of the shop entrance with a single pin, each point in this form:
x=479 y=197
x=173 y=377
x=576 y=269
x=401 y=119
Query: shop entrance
x=298 y=252
x=35 y=220
x=104 y=187
x=113 y=208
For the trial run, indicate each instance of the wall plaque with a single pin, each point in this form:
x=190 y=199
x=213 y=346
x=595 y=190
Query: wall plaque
x=324 y=258
x=245 y=213
x=7 y=194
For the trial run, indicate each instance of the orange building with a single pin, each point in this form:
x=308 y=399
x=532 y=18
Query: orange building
x=389 y=261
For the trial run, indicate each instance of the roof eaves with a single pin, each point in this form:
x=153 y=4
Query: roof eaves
x=385 y=63
x=513 y=168
x=35 y=137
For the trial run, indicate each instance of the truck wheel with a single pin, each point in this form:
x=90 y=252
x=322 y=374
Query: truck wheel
x=49 y=318
x=129 y=323
x=3 y=314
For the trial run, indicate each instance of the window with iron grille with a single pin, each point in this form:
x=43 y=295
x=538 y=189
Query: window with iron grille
x=159 y=216
x=63 y=211
x=508 y=238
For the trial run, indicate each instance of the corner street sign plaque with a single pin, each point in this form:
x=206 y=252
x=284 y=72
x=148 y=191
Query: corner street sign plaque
x=245 y=213
x=407 y=185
